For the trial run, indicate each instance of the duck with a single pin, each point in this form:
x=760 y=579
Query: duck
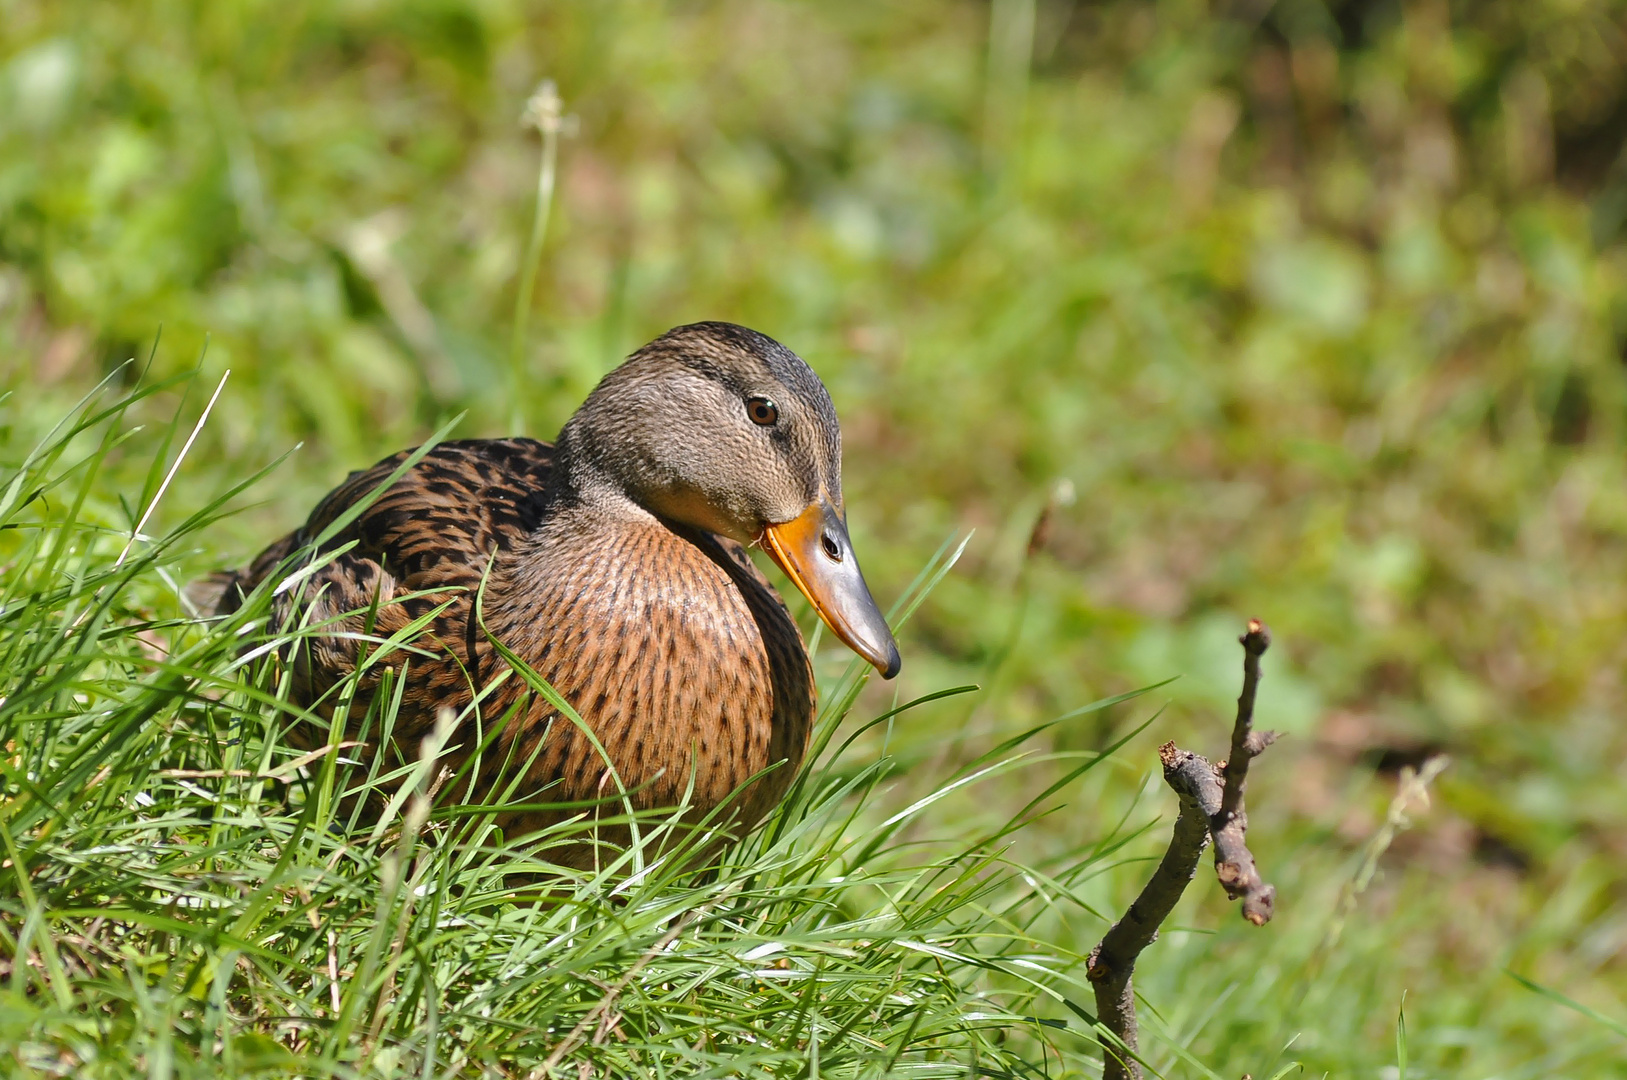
x=614 y=564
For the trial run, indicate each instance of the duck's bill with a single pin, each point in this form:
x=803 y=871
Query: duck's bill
x=815 y=553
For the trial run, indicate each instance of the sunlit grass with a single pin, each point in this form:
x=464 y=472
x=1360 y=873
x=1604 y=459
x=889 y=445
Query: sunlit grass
x=1311 y=334
x=187 y=895
x=184 y=894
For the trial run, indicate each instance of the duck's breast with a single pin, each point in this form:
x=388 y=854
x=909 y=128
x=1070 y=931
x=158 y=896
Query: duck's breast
x=678 y=655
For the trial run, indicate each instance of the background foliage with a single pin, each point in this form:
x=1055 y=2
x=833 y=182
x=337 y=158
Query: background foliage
x=1318 y=308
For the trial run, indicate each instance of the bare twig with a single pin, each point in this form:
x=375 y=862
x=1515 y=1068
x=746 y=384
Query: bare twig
x=1234 y=864
x=1211 y=799
x=1113 y=961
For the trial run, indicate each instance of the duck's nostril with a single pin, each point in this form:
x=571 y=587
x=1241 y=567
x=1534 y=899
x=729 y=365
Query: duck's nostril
x=832 y=548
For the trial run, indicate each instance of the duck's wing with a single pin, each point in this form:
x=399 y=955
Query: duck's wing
x=416 y=551
x=434 y=527
x=444 y=517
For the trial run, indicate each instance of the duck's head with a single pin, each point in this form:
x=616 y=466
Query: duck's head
x=721 y=428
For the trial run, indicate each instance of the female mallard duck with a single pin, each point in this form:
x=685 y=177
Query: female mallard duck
x=613 y=564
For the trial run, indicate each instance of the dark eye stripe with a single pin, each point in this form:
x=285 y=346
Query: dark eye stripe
x=762 y=411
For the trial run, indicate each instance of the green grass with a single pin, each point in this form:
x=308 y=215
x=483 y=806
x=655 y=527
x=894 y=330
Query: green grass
x=185 y=895
x=188 y=896
x=1319 y=308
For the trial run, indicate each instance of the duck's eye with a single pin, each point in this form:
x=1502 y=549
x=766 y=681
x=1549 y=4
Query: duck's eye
x=762 y=411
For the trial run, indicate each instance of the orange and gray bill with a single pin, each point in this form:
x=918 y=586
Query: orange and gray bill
x=814 y=551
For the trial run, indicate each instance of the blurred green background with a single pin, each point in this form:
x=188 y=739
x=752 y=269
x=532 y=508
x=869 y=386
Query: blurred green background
x=1316 y=309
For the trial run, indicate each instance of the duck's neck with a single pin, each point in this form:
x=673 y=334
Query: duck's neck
x=598 y=558
x=581 y=495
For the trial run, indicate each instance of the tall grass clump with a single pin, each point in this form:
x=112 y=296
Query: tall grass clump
x=184 y=894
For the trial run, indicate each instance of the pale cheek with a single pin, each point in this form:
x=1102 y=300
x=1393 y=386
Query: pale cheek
x=689 y=507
